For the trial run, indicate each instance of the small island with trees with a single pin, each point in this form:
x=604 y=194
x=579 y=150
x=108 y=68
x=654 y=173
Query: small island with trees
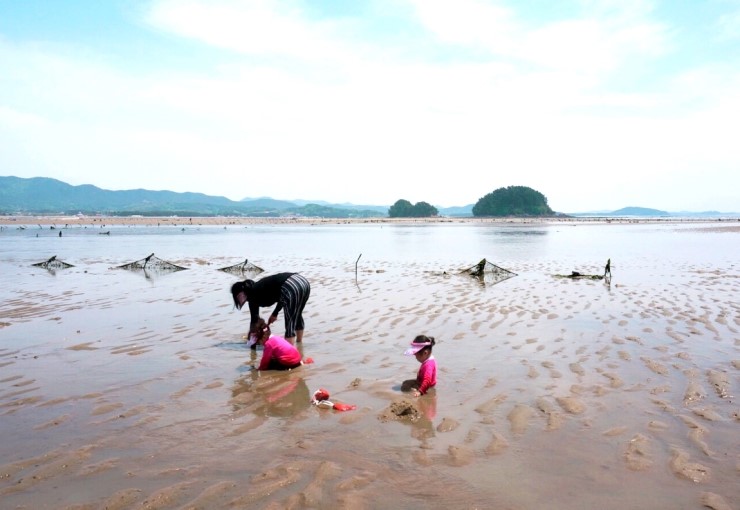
x=404 y=209
x=513 y=201
x=509 y=201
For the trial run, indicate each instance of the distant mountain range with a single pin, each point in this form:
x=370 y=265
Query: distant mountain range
x=644 y=212
x=42 y=195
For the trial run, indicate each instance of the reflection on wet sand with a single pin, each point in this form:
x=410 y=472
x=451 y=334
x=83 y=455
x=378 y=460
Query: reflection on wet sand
x=271 y=393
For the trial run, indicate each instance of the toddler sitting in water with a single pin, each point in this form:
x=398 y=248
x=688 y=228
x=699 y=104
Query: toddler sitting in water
x=278 y=354
x=426 y=378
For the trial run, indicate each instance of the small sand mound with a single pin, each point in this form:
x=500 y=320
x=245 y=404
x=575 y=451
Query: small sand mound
x=459 y=456
x=497 y=445
x=693 y=471
x=447 y=425
x=714 y=501
x=519 y=418
x=400 y=410
x=637 y=454
x=721 y=383
x=571 y=405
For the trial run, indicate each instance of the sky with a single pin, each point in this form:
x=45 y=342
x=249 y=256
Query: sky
x=596 y=104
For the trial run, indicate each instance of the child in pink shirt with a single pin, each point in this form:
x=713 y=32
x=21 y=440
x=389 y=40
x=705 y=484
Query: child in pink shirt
x=278 y=354
x=421 y=349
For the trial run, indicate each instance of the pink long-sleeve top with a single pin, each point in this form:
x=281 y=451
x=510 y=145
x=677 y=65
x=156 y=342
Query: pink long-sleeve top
x=427 y=375
x=279 y=350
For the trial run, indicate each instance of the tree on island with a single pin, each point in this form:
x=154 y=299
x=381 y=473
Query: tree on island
x=404 y=209
x=513 y=201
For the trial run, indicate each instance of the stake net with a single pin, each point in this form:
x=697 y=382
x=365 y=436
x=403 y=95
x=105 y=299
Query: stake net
x=153 y=264
x=53 y=263
x=245 y=268
x=488 y=272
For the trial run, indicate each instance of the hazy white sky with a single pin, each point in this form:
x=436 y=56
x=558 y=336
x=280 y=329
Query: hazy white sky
x=597 y=104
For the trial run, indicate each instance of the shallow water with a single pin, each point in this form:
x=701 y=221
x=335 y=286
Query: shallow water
x=121 y=388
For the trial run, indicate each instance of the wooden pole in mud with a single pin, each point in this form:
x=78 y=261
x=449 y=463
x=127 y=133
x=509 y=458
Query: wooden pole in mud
x=356 y=261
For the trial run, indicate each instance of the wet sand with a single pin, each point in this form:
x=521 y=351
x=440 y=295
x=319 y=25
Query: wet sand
x=117 y=392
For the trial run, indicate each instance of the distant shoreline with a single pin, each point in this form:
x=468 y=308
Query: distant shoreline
x=100 y=221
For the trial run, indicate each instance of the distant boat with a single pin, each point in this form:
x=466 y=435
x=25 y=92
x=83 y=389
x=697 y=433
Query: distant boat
x=104 y=233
